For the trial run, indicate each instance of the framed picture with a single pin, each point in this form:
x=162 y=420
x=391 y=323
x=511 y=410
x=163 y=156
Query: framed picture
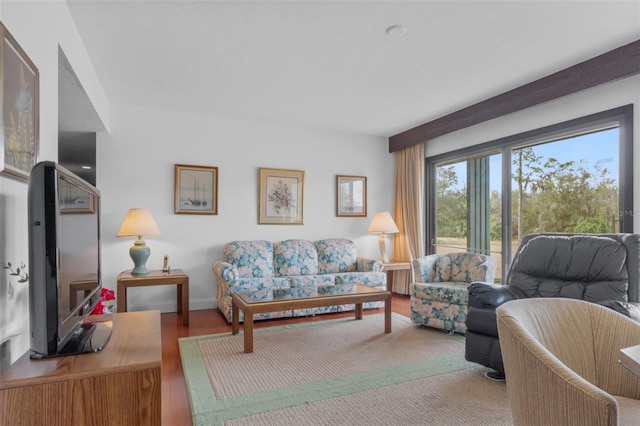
x=19 y=109
x=351 y=196
x=281 y=196
x=74 y=199
x=196 y=190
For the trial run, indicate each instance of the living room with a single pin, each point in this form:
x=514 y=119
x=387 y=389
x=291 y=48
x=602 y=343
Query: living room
x=138 y=146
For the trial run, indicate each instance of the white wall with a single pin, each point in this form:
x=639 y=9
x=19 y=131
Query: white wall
x=597 y=99
x=136 y=169
x=39 y=28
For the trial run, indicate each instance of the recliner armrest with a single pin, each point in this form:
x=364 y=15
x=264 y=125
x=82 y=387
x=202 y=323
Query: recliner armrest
x=488 y=296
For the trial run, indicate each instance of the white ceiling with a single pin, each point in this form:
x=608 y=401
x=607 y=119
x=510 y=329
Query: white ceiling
x=330 y=64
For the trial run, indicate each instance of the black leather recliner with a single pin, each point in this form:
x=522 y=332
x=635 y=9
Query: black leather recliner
x=602 y=268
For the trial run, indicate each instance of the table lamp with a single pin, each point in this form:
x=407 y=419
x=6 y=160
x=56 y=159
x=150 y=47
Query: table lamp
x=139 y=223
x=383 y=223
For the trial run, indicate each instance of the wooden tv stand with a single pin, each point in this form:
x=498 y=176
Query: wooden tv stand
x=119 y=385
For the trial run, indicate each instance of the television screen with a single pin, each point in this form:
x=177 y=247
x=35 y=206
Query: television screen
x=79 y=253
x=64 y=253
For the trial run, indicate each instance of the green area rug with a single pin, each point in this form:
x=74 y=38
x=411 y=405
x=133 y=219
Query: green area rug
x=341 y=371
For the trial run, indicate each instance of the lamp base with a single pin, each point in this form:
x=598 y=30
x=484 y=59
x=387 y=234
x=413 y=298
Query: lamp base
x=139 y=253
x=383 y=242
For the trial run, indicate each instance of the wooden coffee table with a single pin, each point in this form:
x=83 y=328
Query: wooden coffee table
x=254 y=302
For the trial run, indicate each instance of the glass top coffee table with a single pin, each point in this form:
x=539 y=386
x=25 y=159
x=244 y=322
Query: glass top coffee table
x=274 y=300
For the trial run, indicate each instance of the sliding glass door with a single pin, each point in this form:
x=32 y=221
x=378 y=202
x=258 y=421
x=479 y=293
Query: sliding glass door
x=468 y=199
x=572 y=178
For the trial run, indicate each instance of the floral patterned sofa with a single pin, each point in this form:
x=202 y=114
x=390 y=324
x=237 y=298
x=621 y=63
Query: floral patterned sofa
x=439 y=297
x=266 y=266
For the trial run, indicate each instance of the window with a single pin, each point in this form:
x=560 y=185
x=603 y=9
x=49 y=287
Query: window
x=571 y=177
x=568 y=185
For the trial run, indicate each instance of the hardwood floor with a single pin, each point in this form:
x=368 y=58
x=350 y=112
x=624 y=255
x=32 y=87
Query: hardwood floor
x=175 y=401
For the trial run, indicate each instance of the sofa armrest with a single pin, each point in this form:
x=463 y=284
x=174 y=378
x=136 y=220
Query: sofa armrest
x=489 y=296
x=628 y=309
x=225 y=270
x=365 y=264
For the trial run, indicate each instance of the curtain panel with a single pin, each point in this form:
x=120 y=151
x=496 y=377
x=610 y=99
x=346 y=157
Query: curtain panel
x=409 y=195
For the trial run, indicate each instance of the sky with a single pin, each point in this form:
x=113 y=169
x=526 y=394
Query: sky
x=595 y=148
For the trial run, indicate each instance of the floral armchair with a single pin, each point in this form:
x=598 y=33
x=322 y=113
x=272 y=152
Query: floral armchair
x=439 y=297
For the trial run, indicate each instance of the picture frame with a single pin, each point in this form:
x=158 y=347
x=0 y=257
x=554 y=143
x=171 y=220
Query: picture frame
x=195 y=190
x=281 y=196
x=351 y=196
x=19 y=109
x=74 y=200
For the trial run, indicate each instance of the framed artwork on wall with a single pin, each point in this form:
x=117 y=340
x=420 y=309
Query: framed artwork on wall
x=196 y=190
x=281 y=196
x=19 y=106
x=351 y=196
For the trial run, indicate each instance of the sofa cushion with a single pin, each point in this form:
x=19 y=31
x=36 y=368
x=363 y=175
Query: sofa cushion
x=312 y=280
x=295 y=257
x=242 y=285
x=337 y=289
x=336 y=255
x=254 y=259
x=372 y=279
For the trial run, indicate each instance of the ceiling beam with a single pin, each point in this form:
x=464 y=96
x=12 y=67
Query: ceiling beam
x=615 y=64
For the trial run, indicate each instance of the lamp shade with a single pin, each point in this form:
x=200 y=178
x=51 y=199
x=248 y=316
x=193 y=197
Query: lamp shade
x=383 y=223
x=138 y=223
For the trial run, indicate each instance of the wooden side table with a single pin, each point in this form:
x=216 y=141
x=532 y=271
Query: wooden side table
x=394 y=265
x=174 y=277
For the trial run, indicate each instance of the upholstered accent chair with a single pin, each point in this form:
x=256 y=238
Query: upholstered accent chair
x=438 y=297
x=603 y=269
x=561 y=363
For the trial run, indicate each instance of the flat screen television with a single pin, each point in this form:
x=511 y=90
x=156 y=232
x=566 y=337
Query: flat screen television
x=64 y=263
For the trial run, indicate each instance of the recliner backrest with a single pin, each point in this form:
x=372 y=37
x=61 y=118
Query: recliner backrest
x=590 y=267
